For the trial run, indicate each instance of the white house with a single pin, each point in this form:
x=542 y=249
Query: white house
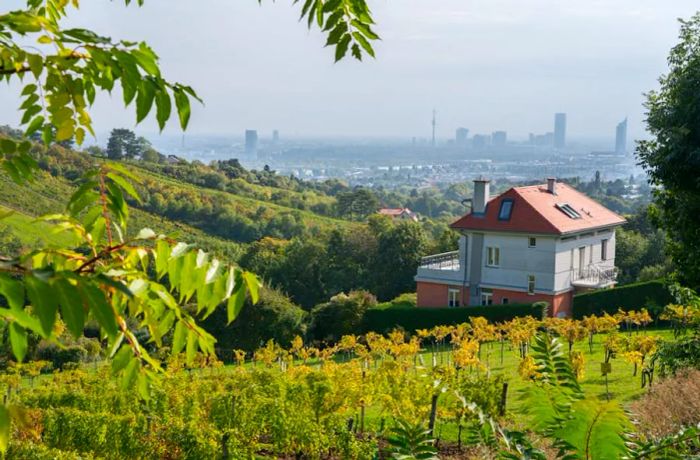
x=540 y=242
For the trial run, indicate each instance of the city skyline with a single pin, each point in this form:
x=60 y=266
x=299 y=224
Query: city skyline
x=482 y=65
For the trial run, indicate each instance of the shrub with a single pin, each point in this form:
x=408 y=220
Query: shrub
x=341 y=316
x=61 y=357
x=407 y=300
x=411 y=319
x=652 y=295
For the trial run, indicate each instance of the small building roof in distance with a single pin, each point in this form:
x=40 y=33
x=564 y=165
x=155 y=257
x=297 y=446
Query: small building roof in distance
x=534 y=209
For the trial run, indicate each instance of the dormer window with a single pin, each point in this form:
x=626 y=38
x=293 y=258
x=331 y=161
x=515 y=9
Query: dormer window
x=506 y=209
x=568 y=210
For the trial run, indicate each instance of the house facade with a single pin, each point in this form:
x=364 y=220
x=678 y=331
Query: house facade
x=535 y=243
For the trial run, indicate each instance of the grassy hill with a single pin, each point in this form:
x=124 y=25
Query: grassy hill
x=214 y=219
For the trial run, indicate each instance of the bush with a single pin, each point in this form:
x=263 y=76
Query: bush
x=652 y=295
x=61 y=358
x=670 y=405
x=341 y=316
x=408 y=300
x=411 y=319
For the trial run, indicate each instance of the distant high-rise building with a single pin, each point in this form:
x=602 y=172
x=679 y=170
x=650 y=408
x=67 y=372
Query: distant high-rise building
x=251 y=141
x=461 y=136
x=479 y=141
x=545 y=139
x=559 y=130
x=275 y=136
x=621 y=137
x=499 y=138
x=434 y=122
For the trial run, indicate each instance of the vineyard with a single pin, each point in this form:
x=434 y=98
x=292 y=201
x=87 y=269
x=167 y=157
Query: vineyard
x=365 y=397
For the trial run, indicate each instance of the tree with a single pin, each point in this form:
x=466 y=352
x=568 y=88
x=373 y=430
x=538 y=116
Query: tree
x=149 y=277
x=121 y=144
x=342 y=315
x=672 y=118
x=361 y=202
x=399 y=251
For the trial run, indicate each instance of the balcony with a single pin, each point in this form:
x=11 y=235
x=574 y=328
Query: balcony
x=444 y=261
x=594 y=276
x=443 y=268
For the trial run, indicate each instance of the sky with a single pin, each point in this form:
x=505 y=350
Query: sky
x=482 y=64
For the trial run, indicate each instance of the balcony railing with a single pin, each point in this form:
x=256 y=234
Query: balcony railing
x=594 y=276
x=444 y=261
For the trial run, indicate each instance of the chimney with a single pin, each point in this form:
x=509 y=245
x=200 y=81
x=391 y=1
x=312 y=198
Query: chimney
x=552 y=185
x=481 y=195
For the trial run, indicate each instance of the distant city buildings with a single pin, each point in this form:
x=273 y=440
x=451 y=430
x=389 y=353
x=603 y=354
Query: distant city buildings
x=251 y=141
x=275 y=136
x=559 y=130
x=542 y=140
x=499 y=138
x=480 y=141
x=621 y=137
x=461 y=136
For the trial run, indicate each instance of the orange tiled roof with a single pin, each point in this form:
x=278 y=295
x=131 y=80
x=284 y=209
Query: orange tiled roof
x=394 y=211
x=535 y=211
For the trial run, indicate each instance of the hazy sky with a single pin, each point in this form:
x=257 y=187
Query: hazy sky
x=483 y=64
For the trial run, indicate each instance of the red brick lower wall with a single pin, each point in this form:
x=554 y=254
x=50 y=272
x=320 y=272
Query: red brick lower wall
x=435 y=295
x=559 y=304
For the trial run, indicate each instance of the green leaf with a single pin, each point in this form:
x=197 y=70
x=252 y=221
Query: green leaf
x=36 y=64
x=253 y=284
x=235 y=304
x=13 y=291
x=191 y=346
x=179 y=337
x=36 y=124
x=342 y=48
x=18 y=341
x=4 y=428
x=163 y=106
x=364 y=43
x=100 y=308
x=144 y=99
x=182 y=102
x=121 y=359
x=125 y=185
x=44 y=302
x=71 y=304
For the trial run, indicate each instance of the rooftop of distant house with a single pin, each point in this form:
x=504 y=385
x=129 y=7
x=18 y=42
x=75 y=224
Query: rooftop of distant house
x=551 y=208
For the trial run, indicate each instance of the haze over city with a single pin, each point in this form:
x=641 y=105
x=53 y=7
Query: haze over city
x=486 y=65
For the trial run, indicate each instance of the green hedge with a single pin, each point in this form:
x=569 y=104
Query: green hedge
x=410 y=319
x=652 y=295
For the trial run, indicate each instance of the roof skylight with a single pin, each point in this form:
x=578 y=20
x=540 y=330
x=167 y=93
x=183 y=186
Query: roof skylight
x=568 y=210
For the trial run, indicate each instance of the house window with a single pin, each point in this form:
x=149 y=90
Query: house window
x=504 y=300
x=531 y=242
x=452 y=297
x=486 y=297
x=493 y=256
x=604 y=250
x=530 y=284
x=506 y=209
